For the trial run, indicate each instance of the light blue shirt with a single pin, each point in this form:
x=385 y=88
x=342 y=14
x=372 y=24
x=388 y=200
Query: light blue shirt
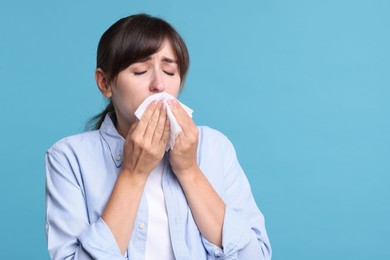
x=81 y=171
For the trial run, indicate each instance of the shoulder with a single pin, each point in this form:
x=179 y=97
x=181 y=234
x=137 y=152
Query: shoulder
x=217 y=158
x=209 y=134
x=72 y=144
x=214 y=144
x=212 y=137
x=67 y=155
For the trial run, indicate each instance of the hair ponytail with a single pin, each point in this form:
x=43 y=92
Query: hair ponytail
x=96 y=121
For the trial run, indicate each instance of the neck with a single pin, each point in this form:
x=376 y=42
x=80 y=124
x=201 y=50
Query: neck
x=122 y=125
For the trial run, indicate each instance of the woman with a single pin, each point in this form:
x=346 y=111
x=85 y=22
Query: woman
x=115 y=193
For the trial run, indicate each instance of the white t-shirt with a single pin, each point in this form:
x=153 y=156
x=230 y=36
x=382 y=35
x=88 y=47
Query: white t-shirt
x=158 y=242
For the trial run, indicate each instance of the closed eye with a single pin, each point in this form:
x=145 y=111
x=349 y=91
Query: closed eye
x=169 y=73
x=137 y=73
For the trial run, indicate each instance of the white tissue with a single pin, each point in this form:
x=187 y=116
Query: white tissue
x=175 y=127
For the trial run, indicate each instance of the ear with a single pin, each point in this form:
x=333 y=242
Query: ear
x=102 y=83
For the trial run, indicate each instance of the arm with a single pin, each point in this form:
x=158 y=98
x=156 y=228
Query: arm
x=144 y=149
x=206 y=206
x=70 y=234
x=69 y=231
x=234 y=231
x=244 y=229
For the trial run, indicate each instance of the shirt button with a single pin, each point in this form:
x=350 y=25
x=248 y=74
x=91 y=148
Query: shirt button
x=118 y=157
x=141 y=225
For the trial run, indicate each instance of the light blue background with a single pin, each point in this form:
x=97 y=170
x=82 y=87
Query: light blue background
x=301 y=88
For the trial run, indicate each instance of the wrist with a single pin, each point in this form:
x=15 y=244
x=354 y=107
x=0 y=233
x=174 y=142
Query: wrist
x=187 y=174
x=134 y=180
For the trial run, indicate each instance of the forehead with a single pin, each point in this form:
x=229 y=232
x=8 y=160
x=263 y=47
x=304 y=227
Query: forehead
x=165 y=53
x=167 y=50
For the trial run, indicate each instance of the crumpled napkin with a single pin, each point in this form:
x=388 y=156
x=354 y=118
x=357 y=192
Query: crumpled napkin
x=175 y=127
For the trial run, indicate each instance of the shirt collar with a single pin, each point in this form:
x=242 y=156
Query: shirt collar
x=113 y=139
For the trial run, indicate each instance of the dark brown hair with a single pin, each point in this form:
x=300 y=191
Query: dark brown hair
x=129 y=40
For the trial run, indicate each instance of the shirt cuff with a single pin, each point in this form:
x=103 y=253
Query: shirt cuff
x=99 y=242
x=236 y=234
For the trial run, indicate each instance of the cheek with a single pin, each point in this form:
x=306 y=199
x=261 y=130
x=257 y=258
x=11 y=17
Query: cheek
x=126 y=98
x=130 y=101
x=137 y=101
x=128 y=89
x=173 y=87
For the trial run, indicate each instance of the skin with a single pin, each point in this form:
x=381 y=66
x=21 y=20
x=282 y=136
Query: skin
x=145 y=144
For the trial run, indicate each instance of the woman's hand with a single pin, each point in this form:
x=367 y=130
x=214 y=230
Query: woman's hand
x=146 y=141
x=183 y=154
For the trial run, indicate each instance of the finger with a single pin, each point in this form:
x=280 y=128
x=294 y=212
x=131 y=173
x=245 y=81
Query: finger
x=159 y=131
x=153 y=120
x=177 y=144
x=182 y=117
x=165 y=137
x=143 y=122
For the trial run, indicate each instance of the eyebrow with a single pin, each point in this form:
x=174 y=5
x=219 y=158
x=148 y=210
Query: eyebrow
x=164 y=59
x=168 y=60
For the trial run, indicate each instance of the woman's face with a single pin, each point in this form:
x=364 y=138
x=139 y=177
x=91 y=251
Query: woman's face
x=157 y=73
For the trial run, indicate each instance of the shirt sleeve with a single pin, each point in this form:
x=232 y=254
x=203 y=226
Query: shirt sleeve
x=244 y=235
x=70 y=235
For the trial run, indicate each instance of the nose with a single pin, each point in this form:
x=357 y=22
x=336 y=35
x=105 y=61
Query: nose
x=157 y=84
